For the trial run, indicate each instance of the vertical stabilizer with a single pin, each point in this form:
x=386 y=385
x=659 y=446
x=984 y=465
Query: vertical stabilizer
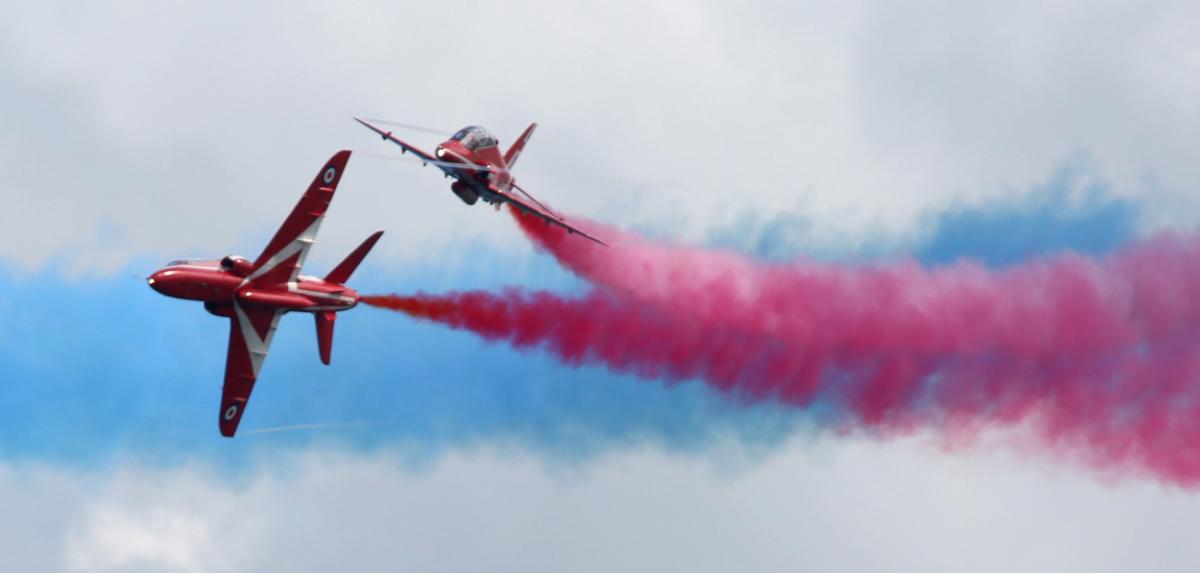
x=510 y=156
x=341 y=273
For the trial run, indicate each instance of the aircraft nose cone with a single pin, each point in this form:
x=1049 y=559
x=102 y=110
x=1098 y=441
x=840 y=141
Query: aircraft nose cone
x=159 y=281
x=449 y=151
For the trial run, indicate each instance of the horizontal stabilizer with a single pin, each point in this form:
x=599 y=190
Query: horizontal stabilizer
x=325 y=322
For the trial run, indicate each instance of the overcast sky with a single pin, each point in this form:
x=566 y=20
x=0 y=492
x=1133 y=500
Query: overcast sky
x=144 y=131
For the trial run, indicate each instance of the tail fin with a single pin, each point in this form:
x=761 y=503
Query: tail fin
x=325 y=334
x=510 y=156
x=342 y=272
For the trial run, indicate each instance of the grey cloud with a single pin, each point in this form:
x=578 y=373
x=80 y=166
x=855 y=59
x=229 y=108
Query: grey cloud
x=847 y=505
x=143 y=130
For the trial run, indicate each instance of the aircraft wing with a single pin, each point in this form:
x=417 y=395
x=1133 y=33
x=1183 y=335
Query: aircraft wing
x=450 y=168
x=280 y=262
x=250 y=332
x=535 y=207
x=405 y=146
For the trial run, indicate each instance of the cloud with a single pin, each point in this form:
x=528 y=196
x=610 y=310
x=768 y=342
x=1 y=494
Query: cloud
x=132 y=133
x=111 y=538
x=847 y=505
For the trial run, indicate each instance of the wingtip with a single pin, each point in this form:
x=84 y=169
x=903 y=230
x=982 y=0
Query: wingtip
x=338 y=161
x=367 y=125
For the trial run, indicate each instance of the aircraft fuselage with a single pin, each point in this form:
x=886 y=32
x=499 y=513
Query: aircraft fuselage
x=209 y=282
x=483 y=183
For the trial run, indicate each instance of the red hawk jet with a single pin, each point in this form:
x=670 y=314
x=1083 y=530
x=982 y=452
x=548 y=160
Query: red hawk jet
x=254 y=294
x=472 y=158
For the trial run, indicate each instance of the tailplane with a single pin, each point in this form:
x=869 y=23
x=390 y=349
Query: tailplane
x=341 y=273
x=325 y=334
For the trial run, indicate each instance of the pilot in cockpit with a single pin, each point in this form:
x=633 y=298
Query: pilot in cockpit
x=474 y=138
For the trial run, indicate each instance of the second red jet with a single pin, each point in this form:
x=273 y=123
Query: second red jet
x=472 y=157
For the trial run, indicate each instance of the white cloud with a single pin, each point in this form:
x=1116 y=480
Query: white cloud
x=112 y=539
x=829 y=505
x=155 y=520
x=186 y=129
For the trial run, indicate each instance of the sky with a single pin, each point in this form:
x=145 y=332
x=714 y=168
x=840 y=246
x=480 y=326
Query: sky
x=932 y=132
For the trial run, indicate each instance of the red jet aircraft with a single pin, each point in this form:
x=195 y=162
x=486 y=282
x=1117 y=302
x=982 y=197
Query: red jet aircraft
x=472 y=157
x=253 y=295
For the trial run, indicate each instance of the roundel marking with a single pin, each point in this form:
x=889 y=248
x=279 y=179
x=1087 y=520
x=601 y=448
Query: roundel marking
x=329 y=175
x=230 y=412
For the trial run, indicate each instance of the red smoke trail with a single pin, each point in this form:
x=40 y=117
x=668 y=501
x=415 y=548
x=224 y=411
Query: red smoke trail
x=1097 y=356
x=1047 y=307
x=1136 y=409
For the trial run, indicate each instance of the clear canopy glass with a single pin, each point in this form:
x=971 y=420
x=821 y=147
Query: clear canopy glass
x=474 y=137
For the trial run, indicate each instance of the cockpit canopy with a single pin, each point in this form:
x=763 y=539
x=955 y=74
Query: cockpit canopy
x=193 y=263
x=474 y=137
x=239 y=266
